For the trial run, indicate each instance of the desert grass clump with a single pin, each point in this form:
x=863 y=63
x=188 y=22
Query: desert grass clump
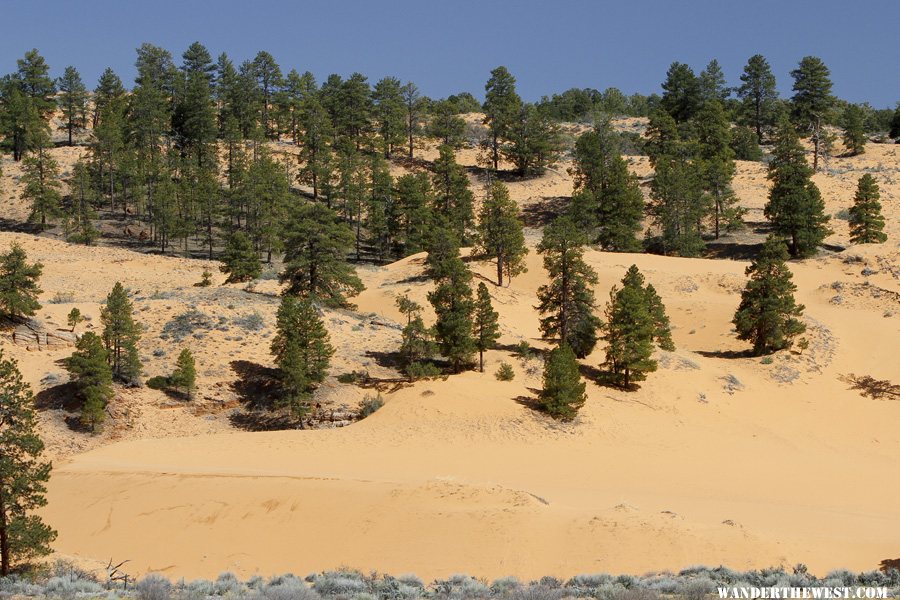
x=369 y=405
x=154 y=587
x=460 y=587
x=344 y=582
x=187 y=323
x=250 y=321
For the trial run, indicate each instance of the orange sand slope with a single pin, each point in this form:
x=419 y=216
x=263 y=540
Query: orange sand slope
x=714 y=460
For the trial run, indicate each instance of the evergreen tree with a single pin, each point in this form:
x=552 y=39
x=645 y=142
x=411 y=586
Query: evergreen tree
x=23 y=476
x=745 y=144
x=240 y=260
x=414 y=104
x=301 y=350
x=567 y=301
x=502 y=106
x=485 y=325
x=18 y=284
x=500 y=232
x=380 y=208
x=315 y=265
x=679 y=205
x=717 y=168
x=413 y=199
x=453 y=307
x=894 y=132
x=74 y=318
x=866 y=221
x=630 y=328
x=72 y=101
x=268 y=80
x=662 y=331
x=194 y=115
x=795 y=207
x=417 y=340
x=390 y=114
x=267 y=190
x=812 y=101
x=758 y=95
x=80 y=214
x=90 y=370
x=353 y=110
x=315 y=150
x=28 y=103
x=184 y=377
x=767 y=315
x=681 y=96
x=446 y=125
x=562 y=393
x=121 y=334
x=41 y=181
x=712 y=83
x=854 y=130
x=452 y=197
x=534 y=141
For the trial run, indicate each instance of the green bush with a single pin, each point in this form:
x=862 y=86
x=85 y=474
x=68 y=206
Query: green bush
x=369 y=405
x=505 y=372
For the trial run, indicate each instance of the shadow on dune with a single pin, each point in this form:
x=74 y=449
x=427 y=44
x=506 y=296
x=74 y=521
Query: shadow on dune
x=726 y=353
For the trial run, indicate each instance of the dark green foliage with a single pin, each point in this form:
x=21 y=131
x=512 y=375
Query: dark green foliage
x=854 y=129
x=712 y=84
x=241 y=260
x=715 y=159
x=446 y=125
x=795 y=207
x=418 y=344
x=74 y=318
x=534 y=141
x=866 y=221
x=316 y=247
x=758 y=95
x=184 y=377
x=90 y=370
x=414 y=104
x=566 y=303
x=607 y=198
x=413 y=197
x=317 y=168
x=681 y=96
x=389 y=114
x=301 y=350
x=452 y=199
x=485 y=325
x=121 y=334
x=635 y=319
x=678 y=205
x=18 y=284
x=80 y=213
x=562 y=394
x=500 y=232
x=26 y=104
x=40 y=179
x=502 y=107
x=895 y=125
x=745 y=144
x=453 y=308
x=505 y=372
x=23 y=476
x=767 y=315
x=72 y=99
x=369 y=405
x=812 y=100
x=381 y=219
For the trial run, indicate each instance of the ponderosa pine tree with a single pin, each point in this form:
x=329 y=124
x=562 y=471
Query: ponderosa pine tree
x=301 y=350
x=184 y=377
x=894 y=132
x=446 y=125
x=90 y=370
x=27 y=100
x=812 y=101
x=417 y=340
x=19 y=284
x=502 y=106
x=562 y=393
x=678 y=205
x=566 y=303
x=268 y=80
x=23 y=475
x=716 y=165
x=662 y=330
x=758 y=95
x=533 y=141
x=452 y=199
x=866 y=220
x=72 y=99
x=390 y=114
x=414 y=105
x=121 y=334
x=681 y=96
x=413 y=198
x=768 y=314
x=499 y=232
x=74 y=318
x=854 y=129
x=712 y=83
x=41 y=181
x=240 y=259
x=795 y=207
x=453 y=308
x=80 y=213
x=194 y=113
x=315 y=263
x=315 y=150
x=486 y=326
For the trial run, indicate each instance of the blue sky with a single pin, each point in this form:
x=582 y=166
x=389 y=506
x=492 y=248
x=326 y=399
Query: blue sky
x=451 y=46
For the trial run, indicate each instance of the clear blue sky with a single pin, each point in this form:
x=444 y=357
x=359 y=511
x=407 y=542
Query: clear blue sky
x=451 y=45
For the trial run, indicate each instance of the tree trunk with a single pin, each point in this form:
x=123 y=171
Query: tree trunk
x=4 y=536
x=481 y=360
x=499 y=270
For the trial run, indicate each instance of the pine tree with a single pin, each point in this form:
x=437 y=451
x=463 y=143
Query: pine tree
x=758 y=95
x=717 y=166
x=486 y=326
x=380 y=208
x=712 y=83
x=193 y=114
x=315 y=264
x=795 y=207
x=28 y=103
x=446 y=125
x=767 y=315
x=567 y=301
x=18 y=284
x=413 y=200
x=315 y=150
x=74 y=318
x=413 y=102
x=500 y=232
x=301 y=350
x=240 y=260
x=23 y=476
x=534 y=141
x=812 y=101
x=502 y=105
x=678 y=205
x=268 y=80
x=866 y=221
x=854 y=130
x=184 y=377
x=417 y=340
x=894 y=132
x=72 y=101
x=390 y=114
x=452 y=197
x=662 y=331
x=121 y=334
x=90 y=370
x=41 y=181
x=681 y=96
x=562 y=393
x=80 y=213
x=453 y=307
